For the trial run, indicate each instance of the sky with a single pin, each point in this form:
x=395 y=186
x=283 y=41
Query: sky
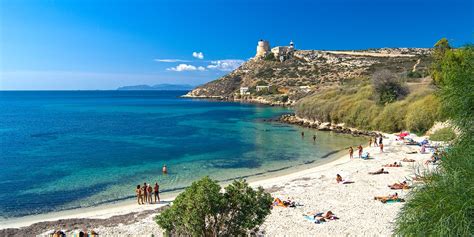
x=105 y=44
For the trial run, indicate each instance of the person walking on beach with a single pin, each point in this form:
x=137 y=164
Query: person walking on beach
x=138 y=191
x=145 y=196
x=375 y=141
x=157 y=192
x=351 y=153
x=360 y=150
x=314 y=138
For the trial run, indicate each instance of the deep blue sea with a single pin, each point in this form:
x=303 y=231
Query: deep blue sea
x=68 y=149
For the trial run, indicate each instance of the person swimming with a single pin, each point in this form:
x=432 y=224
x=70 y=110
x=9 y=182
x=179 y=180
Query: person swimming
x=165 y=169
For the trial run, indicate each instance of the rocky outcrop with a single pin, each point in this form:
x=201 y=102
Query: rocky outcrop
x=324 y=126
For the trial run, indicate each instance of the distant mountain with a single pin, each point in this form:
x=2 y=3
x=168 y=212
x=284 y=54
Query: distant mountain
x=159 y=87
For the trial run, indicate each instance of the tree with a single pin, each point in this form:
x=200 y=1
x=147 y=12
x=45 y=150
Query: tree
x=388 y=87
x=439 y=51
x=202 y=210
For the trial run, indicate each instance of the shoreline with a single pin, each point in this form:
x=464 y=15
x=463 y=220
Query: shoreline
x=124 y=207
x=304 y=186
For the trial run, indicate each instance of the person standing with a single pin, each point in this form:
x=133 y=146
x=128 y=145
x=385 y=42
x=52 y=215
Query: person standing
x=165 y=169
x=360 y=150
x=138 y=191
x=157 y=192
x=380 y=140
x=375 y=141
x=302 y=134
x=381 y=147
x=145 y=196
x=351 y=153
x=314 y=138
x=370 y=142
x=150 y=193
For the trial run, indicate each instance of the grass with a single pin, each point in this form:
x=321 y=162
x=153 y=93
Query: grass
x=354 y=105
x=444 y=134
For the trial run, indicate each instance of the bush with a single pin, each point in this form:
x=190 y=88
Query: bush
x=202 y=210
x=423 y=113
x=388 y=87
x=444 y=205
x=443 y=134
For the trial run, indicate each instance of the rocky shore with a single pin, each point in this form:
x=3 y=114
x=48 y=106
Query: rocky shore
x=324 y=126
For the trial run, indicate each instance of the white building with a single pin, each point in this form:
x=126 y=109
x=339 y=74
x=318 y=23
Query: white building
x=244 y=91
x=263 y=48
x=262 y=88
x=282 y=52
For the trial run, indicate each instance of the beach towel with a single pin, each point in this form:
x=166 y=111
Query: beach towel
x=312 y=219
x=365 y=155
x=395 y=200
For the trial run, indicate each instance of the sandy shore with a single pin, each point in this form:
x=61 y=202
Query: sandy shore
x=314 y=188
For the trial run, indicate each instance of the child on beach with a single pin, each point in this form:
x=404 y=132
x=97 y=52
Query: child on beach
x=351 y=153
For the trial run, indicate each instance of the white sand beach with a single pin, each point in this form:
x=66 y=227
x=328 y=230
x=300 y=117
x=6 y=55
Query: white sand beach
x=315 y=189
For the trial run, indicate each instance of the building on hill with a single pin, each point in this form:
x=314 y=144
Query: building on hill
x=262 y=88
x=263 y=48
x=244 y=91
x=283 y=52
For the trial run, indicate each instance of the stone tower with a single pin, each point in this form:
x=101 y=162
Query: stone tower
x=263 y=48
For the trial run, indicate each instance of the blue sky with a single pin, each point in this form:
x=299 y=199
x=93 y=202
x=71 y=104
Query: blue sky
x=103 y=44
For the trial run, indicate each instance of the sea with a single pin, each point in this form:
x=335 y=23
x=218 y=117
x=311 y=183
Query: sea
x=62 y=150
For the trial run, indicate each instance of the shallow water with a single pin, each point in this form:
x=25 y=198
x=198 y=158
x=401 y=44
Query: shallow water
x=62 y=150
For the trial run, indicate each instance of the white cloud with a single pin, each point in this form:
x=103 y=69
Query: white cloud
x=186 y=67
x=199 y=55
x=225 y=65
x=170 y=60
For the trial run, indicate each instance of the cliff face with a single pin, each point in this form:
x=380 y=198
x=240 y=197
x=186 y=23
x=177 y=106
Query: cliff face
x=307 y=71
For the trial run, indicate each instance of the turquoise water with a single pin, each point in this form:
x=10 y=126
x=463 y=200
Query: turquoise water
x=64 y=150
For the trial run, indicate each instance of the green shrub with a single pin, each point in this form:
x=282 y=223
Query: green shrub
x=443 y=134
x=423 y=113
x=444 y=205
x=388 y=87
x=202 y=210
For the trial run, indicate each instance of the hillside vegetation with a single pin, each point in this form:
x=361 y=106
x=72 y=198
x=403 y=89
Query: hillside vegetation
x=355 y=104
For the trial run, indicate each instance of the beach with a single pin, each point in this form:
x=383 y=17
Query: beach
x=315 y=189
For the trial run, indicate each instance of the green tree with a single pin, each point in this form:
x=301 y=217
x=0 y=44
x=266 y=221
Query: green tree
x=439 y=51
x=202 y=210
x=388 y=87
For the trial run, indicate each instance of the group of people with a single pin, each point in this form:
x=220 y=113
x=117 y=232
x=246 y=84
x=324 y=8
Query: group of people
x=146 y=193
x=376 y=141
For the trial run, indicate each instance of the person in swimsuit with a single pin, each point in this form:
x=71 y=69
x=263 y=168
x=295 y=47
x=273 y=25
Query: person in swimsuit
x=381 y=147
x=338 y=178
x=138 y=191
x=150 y=193
x=157 y=192
x=165 y=169
x=375 y=141
x=360 y=150
x=351 y=153
x=145 y=196
x=370 y=142
x=302 y=134
x=314 y=138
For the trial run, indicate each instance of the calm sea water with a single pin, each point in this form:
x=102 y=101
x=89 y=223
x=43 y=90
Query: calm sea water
x=63 y=150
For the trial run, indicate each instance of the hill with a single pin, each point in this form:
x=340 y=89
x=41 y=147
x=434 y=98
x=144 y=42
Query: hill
x=306 y=72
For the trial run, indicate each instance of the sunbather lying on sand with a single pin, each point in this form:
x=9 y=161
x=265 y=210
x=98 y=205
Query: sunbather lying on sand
x=395 y=164
x=380 y=171
x=392 y=198
x=402 y=185
x=408 y=160
x=322 y=216
x=339 y=180
x=288 y=203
